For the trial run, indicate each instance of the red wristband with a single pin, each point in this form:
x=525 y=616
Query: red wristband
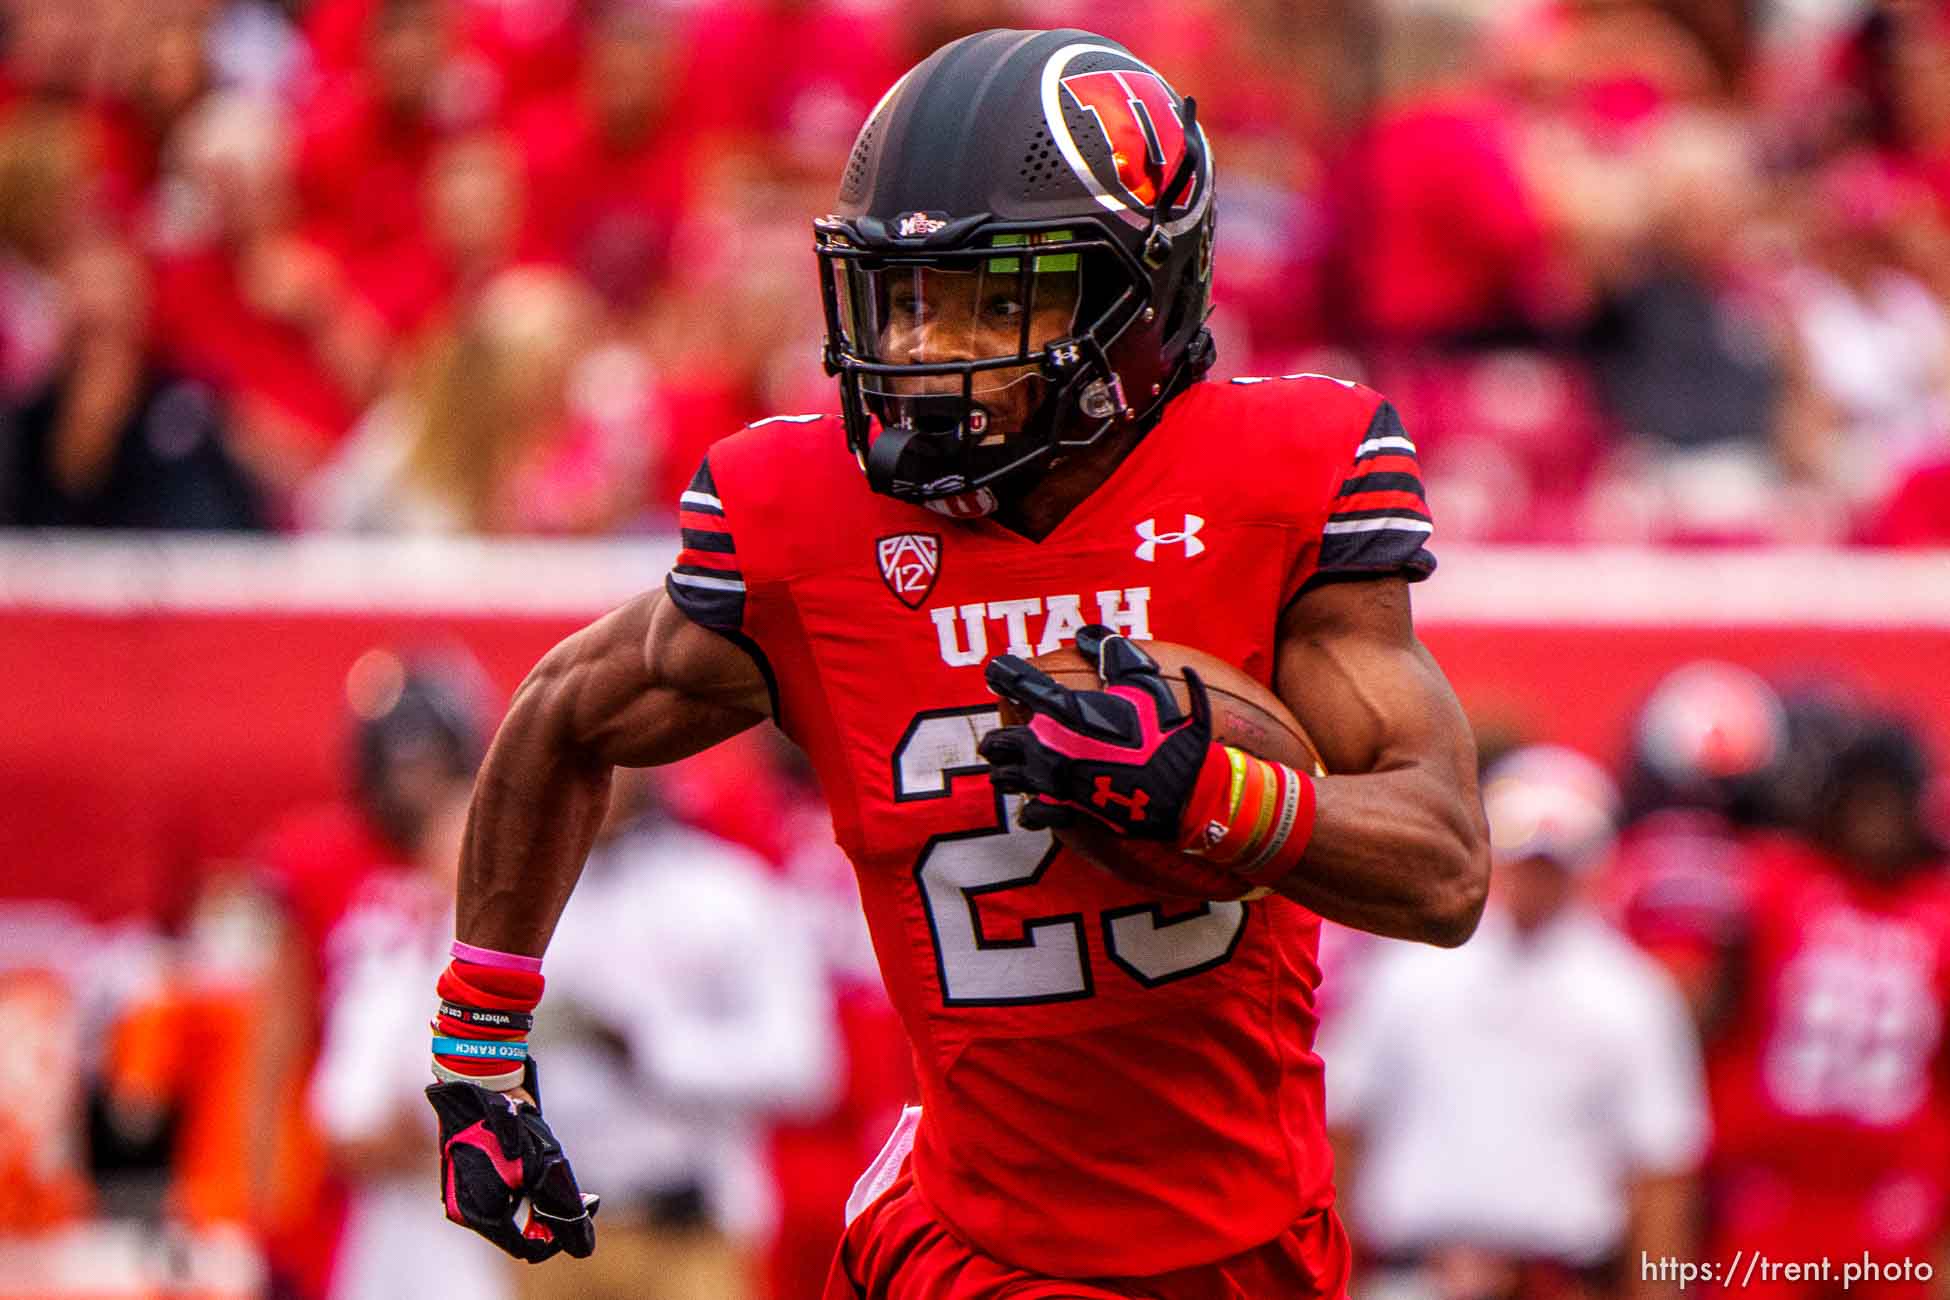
x=1249 y=814
x=468 y=984
x=1293 y=831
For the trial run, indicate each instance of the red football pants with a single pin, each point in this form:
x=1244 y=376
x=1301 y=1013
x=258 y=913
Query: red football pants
x=898 y=1249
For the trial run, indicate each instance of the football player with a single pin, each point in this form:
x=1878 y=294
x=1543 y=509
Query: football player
x=1826 y=1061
x=1118 y=1090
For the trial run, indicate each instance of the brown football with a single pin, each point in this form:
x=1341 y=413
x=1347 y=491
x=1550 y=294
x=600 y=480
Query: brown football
x=1244 y=713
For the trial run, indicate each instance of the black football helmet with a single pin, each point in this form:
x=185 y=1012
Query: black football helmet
x=1049 y=171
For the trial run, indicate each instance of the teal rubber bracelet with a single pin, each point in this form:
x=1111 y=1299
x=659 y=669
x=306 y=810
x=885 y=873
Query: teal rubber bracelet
x=479 y=1051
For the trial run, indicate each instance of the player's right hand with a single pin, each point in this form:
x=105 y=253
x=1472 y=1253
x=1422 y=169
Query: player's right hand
x=1126 y=756
x=496 y=1151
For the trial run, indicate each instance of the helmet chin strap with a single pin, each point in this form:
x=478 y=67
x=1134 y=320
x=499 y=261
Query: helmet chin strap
x=924 y=454
x=884 y=458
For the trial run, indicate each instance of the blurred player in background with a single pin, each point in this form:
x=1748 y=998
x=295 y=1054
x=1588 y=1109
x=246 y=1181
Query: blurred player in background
x=340 y=874
x=363 y=1094
x=1116 y=1066
x=689 y=1006
x=1827 y=1066
x=1710 y=748
x=1527 y=1116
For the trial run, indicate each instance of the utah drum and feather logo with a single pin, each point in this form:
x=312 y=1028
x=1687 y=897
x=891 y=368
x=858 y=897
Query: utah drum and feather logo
x=909 y=564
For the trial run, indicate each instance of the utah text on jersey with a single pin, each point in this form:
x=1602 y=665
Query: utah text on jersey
x=963 y=631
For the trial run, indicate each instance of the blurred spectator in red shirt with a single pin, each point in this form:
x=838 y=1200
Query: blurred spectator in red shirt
x=477 y=194
x=373 y=131
x=251 y=308
x=735 y=333
x=157 y=70
x=608 y=169
x=1892 y=69
x=789 y=79
x=1709 y=747
x=483 y=435
x=63 y=56
x=507 y=52
x=1444 y=241
x=1271 y=127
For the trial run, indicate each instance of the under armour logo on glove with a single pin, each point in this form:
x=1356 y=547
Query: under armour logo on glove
x=1126 y=755
x=1133 y=804
x=496 y=1152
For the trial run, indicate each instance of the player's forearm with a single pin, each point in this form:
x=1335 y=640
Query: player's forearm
x=538 y=803
x=1396 y=853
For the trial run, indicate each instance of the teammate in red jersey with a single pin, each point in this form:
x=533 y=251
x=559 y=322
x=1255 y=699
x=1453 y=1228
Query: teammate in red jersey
x=1827 y=1074
x=1118 y=1090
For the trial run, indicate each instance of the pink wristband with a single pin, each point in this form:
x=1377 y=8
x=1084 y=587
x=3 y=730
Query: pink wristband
x=498 y=960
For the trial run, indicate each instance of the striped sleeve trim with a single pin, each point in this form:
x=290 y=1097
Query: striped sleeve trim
x=706 y=582
x=1379 y=523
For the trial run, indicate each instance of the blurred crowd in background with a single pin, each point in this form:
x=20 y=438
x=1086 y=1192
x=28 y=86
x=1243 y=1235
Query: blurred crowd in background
x=1633 y=269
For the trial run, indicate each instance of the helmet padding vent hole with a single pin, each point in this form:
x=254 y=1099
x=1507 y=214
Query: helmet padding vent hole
x=1040 y=163
x=856 y=166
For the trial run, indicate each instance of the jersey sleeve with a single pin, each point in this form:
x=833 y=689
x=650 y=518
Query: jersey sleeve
x=706 y=581
x=1378 y=524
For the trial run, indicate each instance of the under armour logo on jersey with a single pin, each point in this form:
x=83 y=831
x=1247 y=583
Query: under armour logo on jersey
x=909 y=564
x=1147 y=549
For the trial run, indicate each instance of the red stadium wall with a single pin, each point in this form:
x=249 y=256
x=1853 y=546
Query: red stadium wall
x=163 y=702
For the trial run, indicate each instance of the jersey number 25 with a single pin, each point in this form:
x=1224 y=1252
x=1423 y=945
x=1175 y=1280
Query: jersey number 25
x=1049 y=961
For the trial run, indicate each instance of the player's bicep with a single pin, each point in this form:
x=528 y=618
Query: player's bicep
x=645 y=685
x=1372 y=698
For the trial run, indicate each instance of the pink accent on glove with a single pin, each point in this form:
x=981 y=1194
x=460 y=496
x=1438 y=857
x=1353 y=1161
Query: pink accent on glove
x=478 y=1136
x=1071 y=744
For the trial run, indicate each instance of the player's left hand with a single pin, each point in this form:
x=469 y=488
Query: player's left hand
x=1126 y=755
x=496 y=1151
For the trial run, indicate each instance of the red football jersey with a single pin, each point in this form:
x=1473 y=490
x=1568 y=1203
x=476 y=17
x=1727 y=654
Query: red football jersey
x=1112 y=1083
x=1828 y=1088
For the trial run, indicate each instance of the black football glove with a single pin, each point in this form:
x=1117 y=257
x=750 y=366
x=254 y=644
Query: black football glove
x=497 y=1151
x=1126 y=755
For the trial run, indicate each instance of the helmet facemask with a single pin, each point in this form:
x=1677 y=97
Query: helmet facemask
x=975 y=361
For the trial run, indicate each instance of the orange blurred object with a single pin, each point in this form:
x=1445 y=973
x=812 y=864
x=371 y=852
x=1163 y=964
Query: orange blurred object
x=42 y=1184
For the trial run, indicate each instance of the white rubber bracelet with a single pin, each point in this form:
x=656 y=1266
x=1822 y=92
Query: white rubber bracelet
x=1289 y=813
x=492 y=1082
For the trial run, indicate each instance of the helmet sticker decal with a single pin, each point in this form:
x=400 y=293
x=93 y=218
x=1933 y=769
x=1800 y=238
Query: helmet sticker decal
x=914 y=225
x=1138 y=116
x=1135 y=113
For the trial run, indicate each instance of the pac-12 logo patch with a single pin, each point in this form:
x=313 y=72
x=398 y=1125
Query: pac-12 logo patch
x=909 y=564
